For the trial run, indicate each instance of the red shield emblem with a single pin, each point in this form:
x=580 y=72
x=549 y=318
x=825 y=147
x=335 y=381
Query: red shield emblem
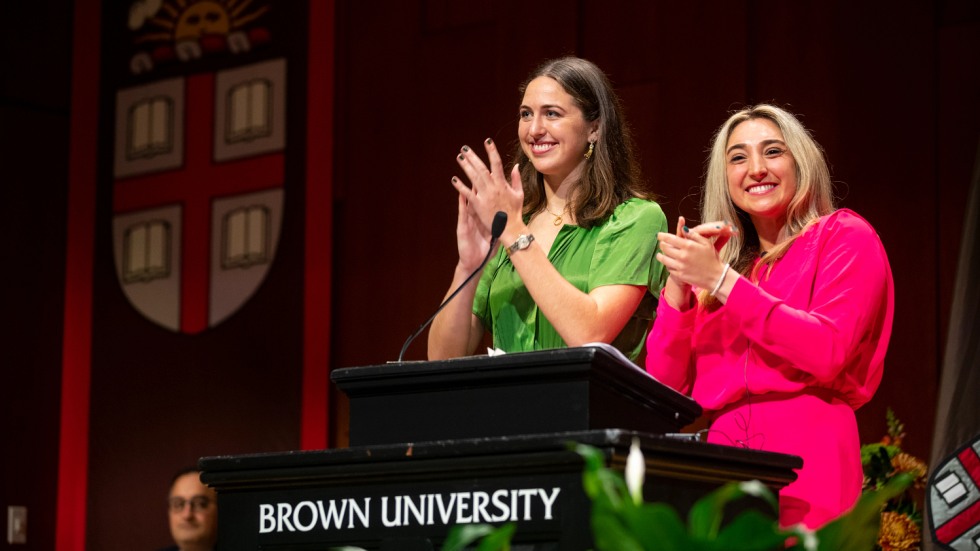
x=954 y=499
x=198 y=193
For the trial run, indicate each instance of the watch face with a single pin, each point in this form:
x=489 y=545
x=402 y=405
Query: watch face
x=522 y=242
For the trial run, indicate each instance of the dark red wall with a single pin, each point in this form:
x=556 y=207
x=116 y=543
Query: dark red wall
x=162 y=399
x=889 y=90
x=34 y=98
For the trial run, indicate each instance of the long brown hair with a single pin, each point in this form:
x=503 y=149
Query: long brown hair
x=611 y=175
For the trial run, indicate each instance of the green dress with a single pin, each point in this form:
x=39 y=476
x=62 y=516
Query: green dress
x=618 y=252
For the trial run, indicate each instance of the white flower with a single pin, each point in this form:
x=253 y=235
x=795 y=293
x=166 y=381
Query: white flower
x=635 y=471
x=810 y=541
x=808 y=537
x=753 y=488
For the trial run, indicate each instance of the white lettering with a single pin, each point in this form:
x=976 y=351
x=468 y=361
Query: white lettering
x=445 y=513
x=398 y=512
x=527 y=495
x=267 y=520
x=462 y=504
x=480 y=501
x=332 y=514
x=501 y=504
x=509 y=504
x=416 y=511
x=284 y=510
x=298 y=522
x=548 y=502
x=362 y=514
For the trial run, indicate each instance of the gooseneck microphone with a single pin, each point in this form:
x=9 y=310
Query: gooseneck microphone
x=496 y=228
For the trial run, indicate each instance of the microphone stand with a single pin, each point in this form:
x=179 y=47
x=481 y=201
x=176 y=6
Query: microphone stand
x=497 y=228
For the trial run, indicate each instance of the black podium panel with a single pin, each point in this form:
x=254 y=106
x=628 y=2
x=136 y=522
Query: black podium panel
x=570 y=389
x=407 y=496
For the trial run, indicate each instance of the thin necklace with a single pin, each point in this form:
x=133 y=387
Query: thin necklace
x=558 y=217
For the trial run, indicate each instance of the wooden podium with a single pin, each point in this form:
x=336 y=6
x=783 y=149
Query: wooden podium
x=475 y=440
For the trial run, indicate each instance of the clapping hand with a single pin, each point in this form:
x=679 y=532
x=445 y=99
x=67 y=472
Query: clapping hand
x=692 y=257
x=489 y=189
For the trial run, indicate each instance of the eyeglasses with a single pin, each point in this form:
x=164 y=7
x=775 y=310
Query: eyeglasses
x=197 y=503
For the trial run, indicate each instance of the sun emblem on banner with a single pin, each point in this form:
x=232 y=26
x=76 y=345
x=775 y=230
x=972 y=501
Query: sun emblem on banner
x=186 y=30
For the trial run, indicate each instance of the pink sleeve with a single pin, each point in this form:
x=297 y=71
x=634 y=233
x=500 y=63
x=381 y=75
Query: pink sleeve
x=669 y=357
x=848 y=320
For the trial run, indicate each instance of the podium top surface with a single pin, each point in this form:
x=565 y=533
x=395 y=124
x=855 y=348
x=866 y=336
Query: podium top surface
x=593 y=362
x=657 y=448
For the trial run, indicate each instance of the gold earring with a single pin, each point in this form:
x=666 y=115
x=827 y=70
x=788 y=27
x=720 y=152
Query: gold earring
x=588 y=154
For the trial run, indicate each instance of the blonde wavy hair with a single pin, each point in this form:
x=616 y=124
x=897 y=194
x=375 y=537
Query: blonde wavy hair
x=814 y=191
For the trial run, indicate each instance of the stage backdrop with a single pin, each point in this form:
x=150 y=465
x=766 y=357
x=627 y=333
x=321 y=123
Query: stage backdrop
x=206 y=174
x=890 y=90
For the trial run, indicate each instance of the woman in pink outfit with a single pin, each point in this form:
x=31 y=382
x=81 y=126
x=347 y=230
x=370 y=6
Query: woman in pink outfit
x=778 y=310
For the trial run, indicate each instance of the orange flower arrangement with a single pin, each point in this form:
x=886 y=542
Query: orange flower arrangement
x=901 y=517
x=898 y=532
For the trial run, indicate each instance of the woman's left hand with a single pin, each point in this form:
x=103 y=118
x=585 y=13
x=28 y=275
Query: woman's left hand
x=490 y=191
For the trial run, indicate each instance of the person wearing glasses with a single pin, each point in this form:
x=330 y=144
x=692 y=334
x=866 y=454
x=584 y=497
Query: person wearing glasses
x=193 y=511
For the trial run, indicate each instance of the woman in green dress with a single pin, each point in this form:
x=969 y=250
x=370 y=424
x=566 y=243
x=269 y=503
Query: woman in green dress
x=576 y=263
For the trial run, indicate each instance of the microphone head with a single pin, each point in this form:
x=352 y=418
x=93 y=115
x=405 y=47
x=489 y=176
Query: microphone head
x=499 y=222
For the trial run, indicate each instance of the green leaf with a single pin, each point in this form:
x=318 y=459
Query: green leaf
x=879 y=451
x=499 y=539
x=609 y=533
x=658 y=526
x=857 y=530
x=600 y=483
x=704 y=518
x=595 y=463
x=464 y=534
x=752 y=531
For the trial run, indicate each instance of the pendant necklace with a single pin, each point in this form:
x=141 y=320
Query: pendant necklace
x=558 y=217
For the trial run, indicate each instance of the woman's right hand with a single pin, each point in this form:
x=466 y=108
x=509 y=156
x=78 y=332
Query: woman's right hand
x=472 y=241
x=677 y=292
x=491 y=190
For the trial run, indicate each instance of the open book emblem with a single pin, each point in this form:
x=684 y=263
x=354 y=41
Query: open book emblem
x=198 y=169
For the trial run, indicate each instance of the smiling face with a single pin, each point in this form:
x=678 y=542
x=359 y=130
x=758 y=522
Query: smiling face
x=761 y=171
x=553 y=132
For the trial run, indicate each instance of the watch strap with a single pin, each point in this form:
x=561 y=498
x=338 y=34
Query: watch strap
x=522 y=242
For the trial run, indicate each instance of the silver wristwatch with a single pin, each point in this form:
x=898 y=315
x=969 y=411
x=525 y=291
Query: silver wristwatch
x=523 y=242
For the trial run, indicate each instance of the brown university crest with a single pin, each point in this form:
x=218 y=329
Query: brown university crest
x=198 y=160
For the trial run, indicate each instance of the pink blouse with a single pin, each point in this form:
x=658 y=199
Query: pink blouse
x=822 y=318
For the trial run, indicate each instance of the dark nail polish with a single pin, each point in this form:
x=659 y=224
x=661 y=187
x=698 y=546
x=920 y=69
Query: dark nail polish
x=461 y=157
x=686 y=229
x=455 y=179
x=489 y=141
x=465 y=148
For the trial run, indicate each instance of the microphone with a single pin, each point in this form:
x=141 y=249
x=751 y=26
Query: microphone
x=496 y=228
x=498 y=225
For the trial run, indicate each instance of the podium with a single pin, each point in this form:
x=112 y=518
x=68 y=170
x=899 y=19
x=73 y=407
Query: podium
x=475 y=440
x=567 y=389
